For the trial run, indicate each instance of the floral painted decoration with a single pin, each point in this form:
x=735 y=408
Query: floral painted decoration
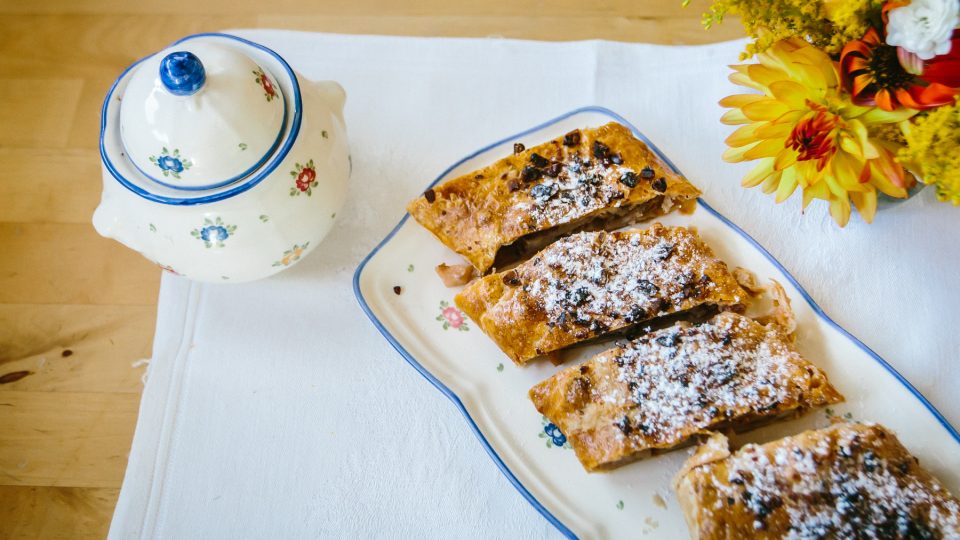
x=850 y=99
x=451 y=317
x=214 y=232
x=171 y=163
x=292 y=255
x=269 y=90
x=553 y=435
x=305 y=179
x=168 y=268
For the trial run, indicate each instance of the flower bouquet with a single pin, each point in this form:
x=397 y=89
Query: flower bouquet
x=851 y=98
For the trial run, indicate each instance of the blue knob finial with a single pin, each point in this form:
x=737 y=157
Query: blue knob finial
x=182 y=73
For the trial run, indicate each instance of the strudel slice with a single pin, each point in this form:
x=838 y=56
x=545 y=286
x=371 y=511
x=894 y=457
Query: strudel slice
x=595 y=284
x=849 y=480
x=658 y=391
x=587 y=180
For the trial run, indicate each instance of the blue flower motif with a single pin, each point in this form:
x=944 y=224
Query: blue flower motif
x=214 y=233
x=170 y=163
x=555 y=434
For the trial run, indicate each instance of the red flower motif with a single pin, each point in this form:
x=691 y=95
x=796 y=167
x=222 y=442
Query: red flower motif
x=305 y=178
x=871 y=72
x=267 y=86
x=453 y=316
x=169 y=269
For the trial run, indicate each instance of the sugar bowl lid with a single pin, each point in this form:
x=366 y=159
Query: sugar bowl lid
x=201 y=115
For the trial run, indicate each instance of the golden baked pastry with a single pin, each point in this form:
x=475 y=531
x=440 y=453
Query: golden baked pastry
x=587 y=180
x=846 y=481
x=658 y=391
x=595 y=284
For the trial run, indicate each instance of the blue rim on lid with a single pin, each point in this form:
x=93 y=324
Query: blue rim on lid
x=213 y=194
x=182 y=73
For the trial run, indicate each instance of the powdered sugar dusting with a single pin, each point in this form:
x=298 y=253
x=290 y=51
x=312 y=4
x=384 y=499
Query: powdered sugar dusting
x=682 y=379
x=607 y=280
x=583 y=186
x=854 y=481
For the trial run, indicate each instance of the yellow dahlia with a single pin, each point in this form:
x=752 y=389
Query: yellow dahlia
x=803 y=132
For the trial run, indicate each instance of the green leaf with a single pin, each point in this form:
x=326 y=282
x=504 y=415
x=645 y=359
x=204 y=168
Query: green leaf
x=619 y=505
x=500 y=366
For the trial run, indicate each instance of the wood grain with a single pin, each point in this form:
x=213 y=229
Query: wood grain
x=77 y=311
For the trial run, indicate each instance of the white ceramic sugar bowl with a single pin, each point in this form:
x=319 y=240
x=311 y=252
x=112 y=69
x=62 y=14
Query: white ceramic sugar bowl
x=220 y=163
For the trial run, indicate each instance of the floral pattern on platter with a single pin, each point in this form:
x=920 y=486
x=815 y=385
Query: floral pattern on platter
x=169 y=269
x=171 y=164
x=452 y=317
x=553 y=435
x=213 y=232
x=292 y=255
x=305 y=179
x=835 y=416
x=269 y=90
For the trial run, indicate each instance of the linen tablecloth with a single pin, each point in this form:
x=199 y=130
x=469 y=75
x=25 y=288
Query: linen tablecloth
x=275 y=409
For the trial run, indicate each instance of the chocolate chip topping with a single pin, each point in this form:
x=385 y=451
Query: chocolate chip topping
x=543 y=192
x=572 y=138
x=600 y=150
x=629 y=179
x=647 y=173
x=647 y=287
x=538 y=160
x=659 y=185
x=518 y=148
x=663 y=251
x=531 y=174
x=430 y=195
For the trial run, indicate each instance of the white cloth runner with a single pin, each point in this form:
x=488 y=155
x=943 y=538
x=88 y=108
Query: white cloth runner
x=275 y=409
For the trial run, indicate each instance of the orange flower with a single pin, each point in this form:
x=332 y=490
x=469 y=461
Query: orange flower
x=871 y=72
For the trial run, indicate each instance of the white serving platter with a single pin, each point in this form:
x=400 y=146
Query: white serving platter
x=635 y=500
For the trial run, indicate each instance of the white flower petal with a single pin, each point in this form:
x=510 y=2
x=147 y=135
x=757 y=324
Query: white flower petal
x=924 y=27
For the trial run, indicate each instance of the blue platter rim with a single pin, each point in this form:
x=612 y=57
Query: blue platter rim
x=459 y=404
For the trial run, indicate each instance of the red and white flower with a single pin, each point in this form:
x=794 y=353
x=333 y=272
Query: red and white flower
x=922 y=27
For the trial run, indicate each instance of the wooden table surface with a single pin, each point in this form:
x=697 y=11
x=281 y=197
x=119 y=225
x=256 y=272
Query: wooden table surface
x=77 y=311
